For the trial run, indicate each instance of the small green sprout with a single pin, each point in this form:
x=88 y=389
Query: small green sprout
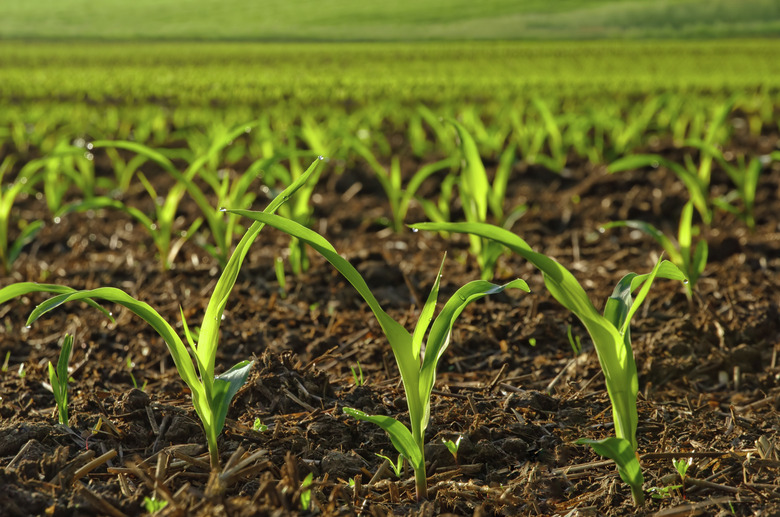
x=22 y=372
x=397 y=466
x=4 y=368
x=259 y=426
x=574 y=341
x=154 y=505
x=453 y=447
x=681 y=466
x=662 y=492
x=306 y=492
x=357 y=375
x=58 y=378
x=280 y=278
x=130 y=365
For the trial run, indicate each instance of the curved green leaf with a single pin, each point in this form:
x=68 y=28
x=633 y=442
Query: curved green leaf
x=399 y=434
x=621 y=452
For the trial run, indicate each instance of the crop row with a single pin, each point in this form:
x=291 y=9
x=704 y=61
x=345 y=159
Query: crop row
x=206 y=169
x=308 y=76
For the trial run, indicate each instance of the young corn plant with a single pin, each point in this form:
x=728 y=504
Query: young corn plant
x=610 y=333
x=418 y=369
x=745 y=178
x=392 y=181
x=211 y=394
x=161 y=227
x=58 y=379
x=9 y=192
x=478 y=196
x=692 y=260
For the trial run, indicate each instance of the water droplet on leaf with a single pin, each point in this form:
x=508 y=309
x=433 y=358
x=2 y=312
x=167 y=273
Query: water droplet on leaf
x=415 y=230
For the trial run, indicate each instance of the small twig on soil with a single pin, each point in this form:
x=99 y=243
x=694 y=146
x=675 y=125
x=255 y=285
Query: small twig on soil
x=770 y=400
x=497 y=377
x=297 y=400
x=92 y=465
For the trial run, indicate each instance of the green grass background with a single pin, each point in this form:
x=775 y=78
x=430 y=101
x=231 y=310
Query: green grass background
x=360 y=20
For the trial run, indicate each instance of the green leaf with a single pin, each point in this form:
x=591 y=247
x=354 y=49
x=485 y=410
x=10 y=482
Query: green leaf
x=476 y=188
x=635 y=161
x=439 y=338
x=209 y=332
x=620 y=451
x=26 y=236
x=400 y=436
x=226 y=385
x=400 y=339
x=615 y=356
x=24 y=288
x=426 y=316
x=666 y=243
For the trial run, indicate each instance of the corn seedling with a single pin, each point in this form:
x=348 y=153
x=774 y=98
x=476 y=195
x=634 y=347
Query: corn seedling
x=58 y=379
x=299 y=209
x=306 y=491
x=392 y=182
x=397 y=466
x=453 y=447
x=130 y=364
x=259 y=426
x=574 y=341
x=357 y=375
x=698 y=189
x=4 y=368
x=691 y=260
x=478 y=195
x=745 y=178
x=281 y=279
x=610 y=332
x=211 y=395
x=681 y=466
x=418 y=371
x=161 y=228
x=662 y=492
x=24 y=183
x=154 y=505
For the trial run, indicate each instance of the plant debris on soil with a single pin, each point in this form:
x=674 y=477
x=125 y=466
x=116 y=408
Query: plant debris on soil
x=510 y=384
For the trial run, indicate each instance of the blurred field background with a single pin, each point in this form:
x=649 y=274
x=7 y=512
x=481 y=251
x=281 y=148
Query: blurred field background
x=403 y=20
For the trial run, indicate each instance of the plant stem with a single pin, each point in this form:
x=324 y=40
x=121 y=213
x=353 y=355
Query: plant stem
x=421 y=483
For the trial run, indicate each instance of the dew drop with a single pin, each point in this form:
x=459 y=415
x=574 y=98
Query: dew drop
x=415 y=230
x=28 y=327
x=57 y=220
x=320 y=157
x=602 y=230
x=685 y=281
x=90 y=146
x=111 y=314
x=223 y=209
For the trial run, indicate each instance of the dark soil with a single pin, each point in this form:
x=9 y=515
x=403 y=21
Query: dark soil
x=708 y=369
